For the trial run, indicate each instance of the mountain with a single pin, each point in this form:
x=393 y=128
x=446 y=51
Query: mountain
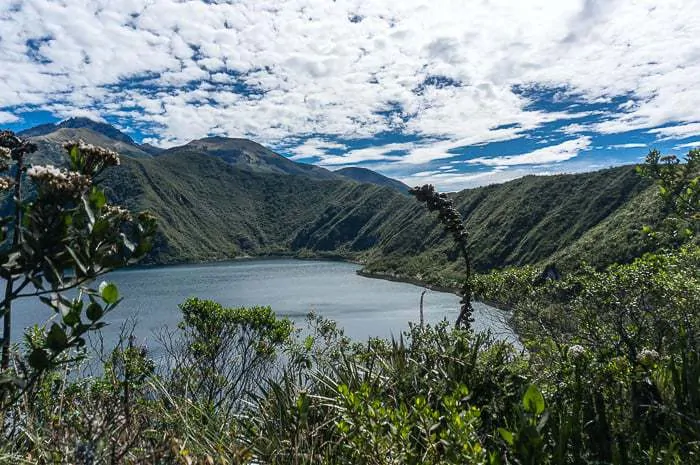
x=151 y=149
x=371 y=177
x=213 y=210
x=105 y=129
x=249 y=155
x=220 y=198
x=51 y=136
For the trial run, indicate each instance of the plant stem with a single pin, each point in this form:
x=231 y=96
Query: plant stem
x=16 y=240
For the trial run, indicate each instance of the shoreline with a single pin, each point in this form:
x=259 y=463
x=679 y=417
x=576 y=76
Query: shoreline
x=432 y=287
x=360 y=272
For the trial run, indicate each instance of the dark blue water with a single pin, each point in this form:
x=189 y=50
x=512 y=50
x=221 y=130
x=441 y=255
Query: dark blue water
x=362 y=306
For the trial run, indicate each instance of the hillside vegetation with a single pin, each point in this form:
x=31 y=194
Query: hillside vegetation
x=213 y=210
x=221 y=198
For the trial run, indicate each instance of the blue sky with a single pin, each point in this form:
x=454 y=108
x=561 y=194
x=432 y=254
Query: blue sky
x=454 y=93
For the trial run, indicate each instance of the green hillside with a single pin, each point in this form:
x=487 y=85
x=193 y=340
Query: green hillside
x=213 y=210
x=224 y=198
x=372 y=177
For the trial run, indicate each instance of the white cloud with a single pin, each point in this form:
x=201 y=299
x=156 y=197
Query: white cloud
x=630 y=145
x=356 y=156
x=689 y=145
x=677 y=132
x=6 y=117
x=315 y=148
x=553 y=154
x=181 y=66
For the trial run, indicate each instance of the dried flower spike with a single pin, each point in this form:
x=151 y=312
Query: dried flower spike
x=452 y=221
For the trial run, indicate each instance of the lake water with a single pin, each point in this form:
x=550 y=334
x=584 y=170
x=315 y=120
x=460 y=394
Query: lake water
x=362 y=306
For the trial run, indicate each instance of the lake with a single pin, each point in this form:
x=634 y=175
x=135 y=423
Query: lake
x=362 y=306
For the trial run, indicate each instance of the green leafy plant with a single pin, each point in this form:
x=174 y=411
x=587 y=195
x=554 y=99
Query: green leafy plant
x=220 y=353
x=679 y=187
x=61 y=236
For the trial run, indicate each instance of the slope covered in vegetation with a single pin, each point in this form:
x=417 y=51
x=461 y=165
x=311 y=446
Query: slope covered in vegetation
x=222 y=198
x=213 y=210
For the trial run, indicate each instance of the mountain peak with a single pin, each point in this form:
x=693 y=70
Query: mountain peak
x=368 y=176
x=79 y=122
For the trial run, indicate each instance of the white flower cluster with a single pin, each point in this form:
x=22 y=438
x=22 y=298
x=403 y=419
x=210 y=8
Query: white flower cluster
x=118 y=212
x=56 y=181
x=648 y=357
x=5 y=183
x=5 y=157
x=576 y=351
x=93 y=158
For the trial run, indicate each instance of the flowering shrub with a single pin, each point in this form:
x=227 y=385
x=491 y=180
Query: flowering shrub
x=61 y=237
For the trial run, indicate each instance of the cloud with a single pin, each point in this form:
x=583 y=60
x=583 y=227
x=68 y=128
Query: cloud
x=552 y=154
x=357 y=156
x=6 y=117
x=689 y=145
x=315 y=148
x=445 y=74
x=677 y=132
x=629 y=145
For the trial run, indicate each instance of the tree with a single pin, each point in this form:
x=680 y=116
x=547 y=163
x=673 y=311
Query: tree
x=679 y=187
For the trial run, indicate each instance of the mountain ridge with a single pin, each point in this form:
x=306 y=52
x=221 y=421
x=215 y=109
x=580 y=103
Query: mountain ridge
x=242 y=152
x=221 y=198
x=360 y=174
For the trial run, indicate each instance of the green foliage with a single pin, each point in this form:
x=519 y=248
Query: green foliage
x=61 y=237
x=610 y=375
x=220 y=353
x=375 y=430
x=679 y=187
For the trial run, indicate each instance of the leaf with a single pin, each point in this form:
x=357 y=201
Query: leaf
x=533 y=401
x=77 y=260
x=88 y=210
x=506 y=435
x=101 y=227
x=56 y=339
x=109 y=292
x=127 y=243
x=308 y=342
x=71 y=317
x=39 y=359
x=75 y=157
x=94 y=311
x=98 y=197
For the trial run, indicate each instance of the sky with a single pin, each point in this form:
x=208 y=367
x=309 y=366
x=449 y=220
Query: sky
x=453 y=93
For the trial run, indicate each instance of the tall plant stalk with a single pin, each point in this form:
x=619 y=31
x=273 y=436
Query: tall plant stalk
x=453 y=224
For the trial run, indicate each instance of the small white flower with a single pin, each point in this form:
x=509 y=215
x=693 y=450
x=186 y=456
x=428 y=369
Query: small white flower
x=648 y=357
x=93 y=158
x=576 y=351
x=117 y=212
x=55 y=181
x=5 y=183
